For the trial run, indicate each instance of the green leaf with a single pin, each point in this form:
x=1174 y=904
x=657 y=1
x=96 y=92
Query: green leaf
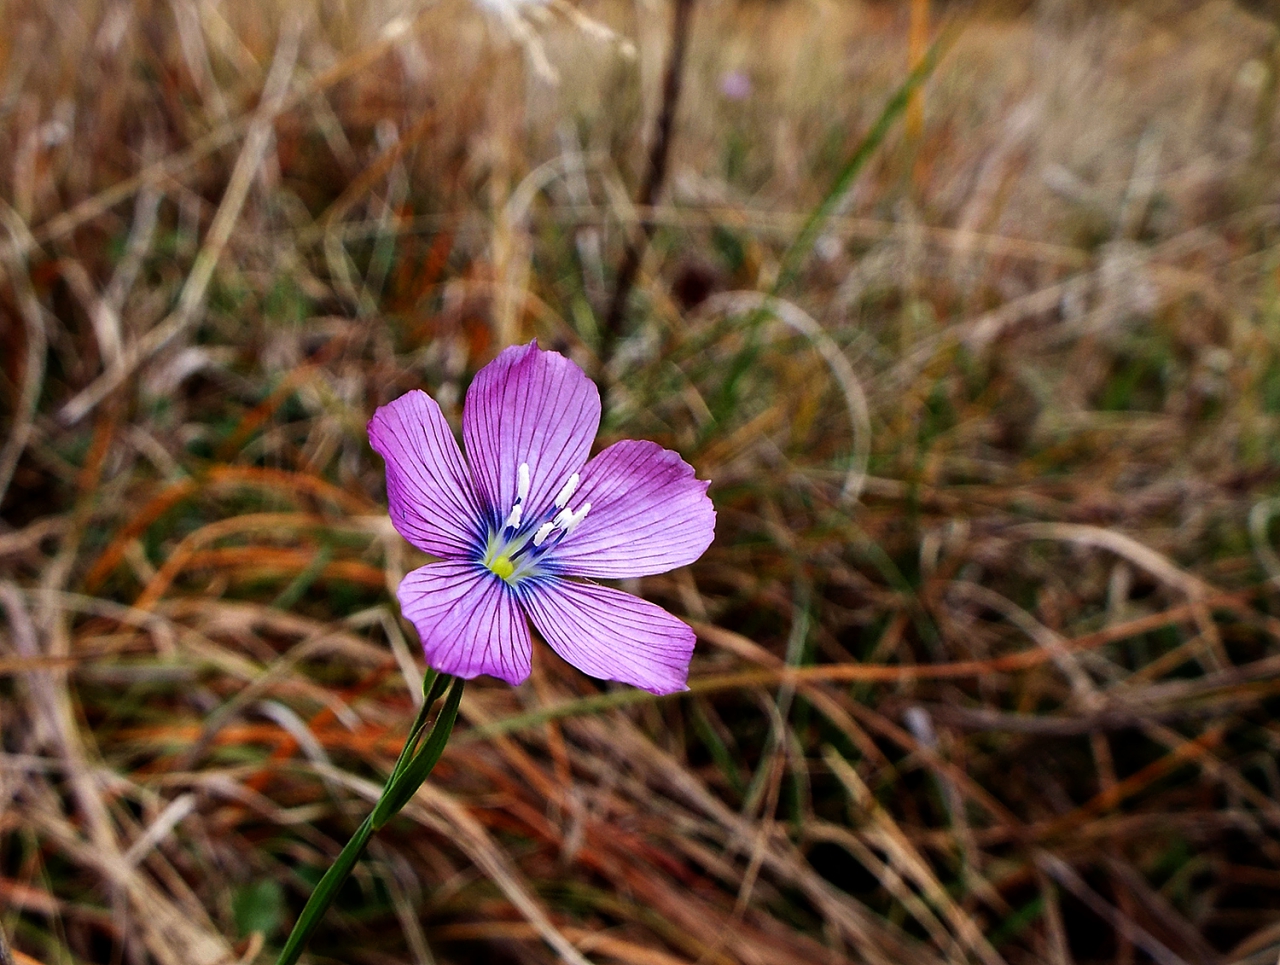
x=403 y=786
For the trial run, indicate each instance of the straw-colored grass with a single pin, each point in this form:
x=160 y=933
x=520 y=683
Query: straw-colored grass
x=989 y=652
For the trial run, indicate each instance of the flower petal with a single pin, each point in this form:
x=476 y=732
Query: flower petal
x=649 y=514
x=610 y=634
x=528 y=406
x=433 y=500
x=468 y=620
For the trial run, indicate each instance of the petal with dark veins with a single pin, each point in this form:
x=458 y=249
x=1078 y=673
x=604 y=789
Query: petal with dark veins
x=468 y=620
x=433 y=501
x=649 y=514
x=534 y=407
x=610 y=634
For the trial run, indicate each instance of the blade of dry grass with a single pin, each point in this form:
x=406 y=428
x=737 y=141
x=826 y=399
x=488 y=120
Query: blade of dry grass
x=186 y=314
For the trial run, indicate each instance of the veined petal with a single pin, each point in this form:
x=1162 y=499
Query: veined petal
x=534 y=407
x=649 y=514
x=468 y=620
x=433 y=500
x=610 y=634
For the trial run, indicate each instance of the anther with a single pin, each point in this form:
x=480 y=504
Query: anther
x=543 y=532
x=566 y=491
x=522 y=490
x=575 y=518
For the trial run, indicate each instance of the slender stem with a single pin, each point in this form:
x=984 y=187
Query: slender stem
x=433 y=686
x=324 y=894
x=407 y=776
x=659 y=156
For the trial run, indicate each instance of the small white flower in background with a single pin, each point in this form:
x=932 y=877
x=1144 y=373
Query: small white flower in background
x=516 y=14
x=505 y=7
x=827 y=247
x=512 y=14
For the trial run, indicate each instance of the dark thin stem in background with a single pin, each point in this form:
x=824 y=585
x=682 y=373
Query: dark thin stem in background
x=655 y=177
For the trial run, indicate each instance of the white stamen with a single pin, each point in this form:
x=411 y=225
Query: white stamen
x=543 y=532
x=562 y=518
x=522 y=490
x=575 y=518
x=566 y=491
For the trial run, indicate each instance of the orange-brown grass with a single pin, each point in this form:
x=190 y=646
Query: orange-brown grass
x=989 y=652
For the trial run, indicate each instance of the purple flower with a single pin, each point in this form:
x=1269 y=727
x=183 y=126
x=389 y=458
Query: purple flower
x=525 y=520
x=735 y=85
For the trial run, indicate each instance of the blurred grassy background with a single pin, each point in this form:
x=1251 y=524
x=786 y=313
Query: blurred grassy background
x=989 y=652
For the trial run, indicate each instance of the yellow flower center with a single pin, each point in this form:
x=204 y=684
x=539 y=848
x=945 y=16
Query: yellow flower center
x=502 y=566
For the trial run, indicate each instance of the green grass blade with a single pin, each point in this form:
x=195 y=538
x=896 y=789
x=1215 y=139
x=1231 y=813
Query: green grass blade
x=409 y=773
x=432 y=685
x=893 y=109
x=798 y=251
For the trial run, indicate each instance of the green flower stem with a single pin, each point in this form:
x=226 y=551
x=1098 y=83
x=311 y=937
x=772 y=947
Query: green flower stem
x=407 y=776
x=321 y=898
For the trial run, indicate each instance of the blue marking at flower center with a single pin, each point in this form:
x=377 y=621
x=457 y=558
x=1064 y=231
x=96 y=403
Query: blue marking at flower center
x=513 y=552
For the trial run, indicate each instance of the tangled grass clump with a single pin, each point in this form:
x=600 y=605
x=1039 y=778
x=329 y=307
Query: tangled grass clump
x=988 y=643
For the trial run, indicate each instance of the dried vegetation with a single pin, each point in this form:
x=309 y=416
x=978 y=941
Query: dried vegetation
x=989 y=642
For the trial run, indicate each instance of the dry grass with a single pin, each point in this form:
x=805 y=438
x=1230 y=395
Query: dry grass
x=989 y=647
